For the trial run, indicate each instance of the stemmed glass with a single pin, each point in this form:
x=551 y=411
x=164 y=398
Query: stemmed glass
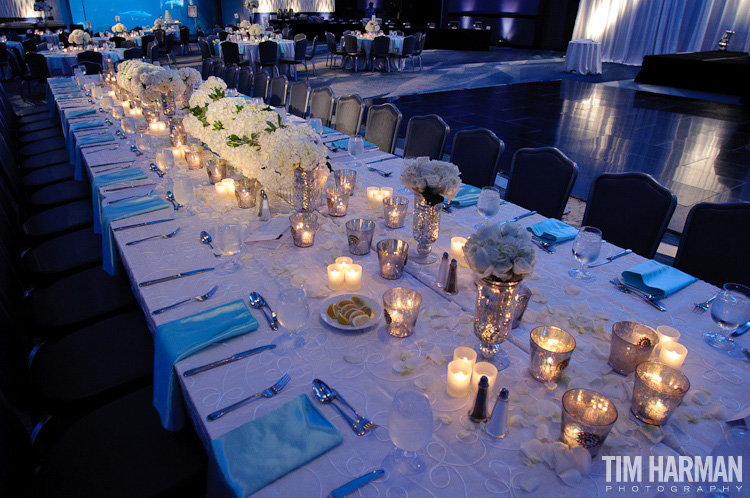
x=356 y=146
x=730 y=310
x=488 y=204
x=410 y=428
x=586 y=249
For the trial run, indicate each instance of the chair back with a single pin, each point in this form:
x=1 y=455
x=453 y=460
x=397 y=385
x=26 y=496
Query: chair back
x=314 y=46
x=268 y=52
x=91 y=67
x=217 y=69
x=408 y=48
x=205 y=49
x=152 y=51
x=170 y=43
x=426 y=136
x=477 y=153
x=231 y=52
x=29 y=45
x=133 y=53
x=42 y=47
x=91 y=56
x=349 y=111
x=128 y=44
x=223 y=35
x=381 y=46
x=260 y=85
x=550 y=196
x=12 y=36
x=631 y=209
x=184 y=34
x=245 y=81
x=350 y=44
x=321 y=104
x=300 y=36
x=38 y=66
x=300 y=50
x=331 y=42
x=117 y=41
x=714 y=241
x=277 y=91
x=207 y=68
x=146 y=39
x=383 y=122
x=229 y=75
x=160 y=36
x=420 y=45
x=299 y=98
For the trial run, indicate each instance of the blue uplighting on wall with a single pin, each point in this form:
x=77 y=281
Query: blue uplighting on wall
x=142 y=13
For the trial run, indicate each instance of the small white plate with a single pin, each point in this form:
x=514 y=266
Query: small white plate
x=372 y=303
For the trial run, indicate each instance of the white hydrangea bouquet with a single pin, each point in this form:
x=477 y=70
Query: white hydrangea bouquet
x=251 y=4
x=119 y=28
x=161 y=81
x=372 y=26
x=245 y=24
x=158 y=23
x=436 y=181
x=257 y=30
x=79 y=37
x=503 y=253
x=190 y=76
x=131 y=75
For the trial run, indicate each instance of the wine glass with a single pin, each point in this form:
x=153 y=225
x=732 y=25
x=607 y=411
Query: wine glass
x=488 y=204
x=730 y=310
x=410 y=427
x=294 y=310
x=356 y=146
x=586 y=249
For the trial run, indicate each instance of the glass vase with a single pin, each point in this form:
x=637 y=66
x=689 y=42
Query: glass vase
x=305 y=191
x=426 y=227
x=494 y=314
x=168 y=104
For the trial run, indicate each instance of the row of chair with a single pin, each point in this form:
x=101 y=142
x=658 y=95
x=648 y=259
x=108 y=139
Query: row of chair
x=268 y=55
x=381 y=49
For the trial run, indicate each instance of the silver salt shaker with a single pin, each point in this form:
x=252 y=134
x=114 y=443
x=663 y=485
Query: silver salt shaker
x=497 y=426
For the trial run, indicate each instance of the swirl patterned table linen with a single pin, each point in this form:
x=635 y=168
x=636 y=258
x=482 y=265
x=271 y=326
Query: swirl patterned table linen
x=367 y=368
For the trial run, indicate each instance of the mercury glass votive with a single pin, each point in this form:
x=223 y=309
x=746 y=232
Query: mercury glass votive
x=401 y=309
x=551 y=349
x=394 y=209
x=587 y=418
x=632 y=343
x=520 y=300
x=216 y=168
x=346 y=179
x=151 y=114
x=194 y=157
x=392 y=257
x=657 y=391
x=246 y=191
x=337 y=200
x=359 y=233
x=303 y=228
x=178 y=138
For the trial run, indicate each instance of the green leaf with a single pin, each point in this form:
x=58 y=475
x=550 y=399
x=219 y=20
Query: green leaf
x=218 y=126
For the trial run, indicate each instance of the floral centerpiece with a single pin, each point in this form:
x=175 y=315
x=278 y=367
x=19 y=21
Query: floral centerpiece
x=131 y=75
x=162 y=86
x=251 y=4
x=190 y=77
x=372 y=26
x=256 y=30
x=79 y=37
x=245 y=24
x=158 y=23
x=501 y=256
x=119 y=28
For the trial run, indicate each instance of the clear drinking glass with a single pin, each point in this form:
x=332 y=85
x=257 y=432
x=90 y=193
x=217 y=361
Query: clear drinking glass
x=230 y=238
x=356 y=146
x=183 y=190
x=143 y=141
x=586 y=249
x=488 y=204
x=316 y=124
x=410 y=427
x=293 y=310
x=730 y=309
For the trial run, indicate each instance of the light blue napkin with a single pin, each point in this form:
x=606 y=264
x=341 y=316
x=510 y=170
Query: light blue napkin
x=248 y=458
x=125 y=175
x=69 y=95
x=60 y=81
x=327 y=130
x=79 y=114
x=82 y=125
x=75 y=152
x=553 y=230
x=118 y=211
x=656 y=278
x=181 y=338
x=468 y=195
x=344 y=144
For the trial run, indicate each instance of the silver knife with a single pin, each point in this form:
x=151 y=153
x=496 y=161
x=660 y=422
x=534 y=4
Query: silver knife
x=110 y=164
x=202 y=297
x=355 y=484
x=381 y=160
x=117 y=189
x=519 y=217
x=238 y=356
x=126 y=227
x=741 y=330
x=174 y=277
x=626 y=290
x=610 y=259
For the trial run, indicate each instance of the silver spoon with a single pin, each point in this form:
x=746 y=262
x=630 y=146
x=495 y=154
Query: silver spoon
x=153 y=167
x=326 y=396
x=257 y=302
x=170 y=198
x=206 y=239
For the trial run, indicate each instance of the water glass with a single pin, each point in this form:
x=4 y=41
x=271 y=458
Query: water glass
x=294 y=309
x=410 y=427
x=730 y=310
x=401 y=310
x=394 y=210
x=359 y=233
x=164 y=159
x=586 y=247
x=346 y=179
x=316 y=124
x=118 y=112
x=107 y=102
x=143 y=141
x=183 y=190
x=392 y=257
x=128 y=125
x=356 y=146
x=230 y=238
x=488 y=203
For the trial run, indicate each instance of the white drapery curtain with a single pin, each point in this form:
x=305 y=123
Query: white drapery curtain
x=630 y=29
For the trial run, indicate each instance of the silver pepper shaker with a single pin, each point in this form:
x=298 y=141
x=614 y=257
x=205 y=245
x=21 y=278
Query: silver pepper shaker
x=265 y=208
x=497 y=426
x=451 y=285
x=442 y=275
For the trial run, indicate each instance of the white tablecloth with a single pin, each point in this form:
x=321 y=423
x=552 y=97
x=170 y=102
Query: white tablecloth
x=367 y=367
x=365 y=44
x=584 y=57
x=62 y=63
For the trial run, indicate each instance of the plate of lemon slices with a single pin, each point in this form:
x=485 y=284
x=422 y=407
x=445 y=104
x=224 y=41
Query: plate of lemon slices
x=350 y=312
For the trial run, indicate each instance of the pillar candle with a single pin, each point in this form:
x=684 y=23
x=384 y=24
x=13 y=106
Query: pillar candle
x=353 y=277
x=465 y=355
x=335 y=277
x=483 y=369
x=673 y=354
x=459 y=378
x=457 y=250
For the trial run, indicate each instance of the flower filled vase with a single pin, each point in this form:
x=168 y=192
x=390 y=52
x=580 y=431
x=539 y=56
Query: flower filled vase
x=168 y=104
x=426 y=226
x=494 y=314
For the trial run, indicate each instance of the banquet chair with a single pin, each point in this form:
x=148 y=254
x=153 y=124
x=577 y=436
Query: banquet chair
x=631 y=209
x=42 y=47
x=210 y=39
x=277 y=91
x=207 y=68
x=383 y=122
x=152 y=52
x=477 y=153
x=12 y=35
x=4 y=62
x=21 y=69
x=217 y=69
x=91 y=56
x=299 y=98
x=90 y=67
x=230 y=52
x=714 y=241
x=127 y=44
x=229 y=75
x=333 y=50
x=260 y=85
x=300 y=52
x=381 y=47
x=223 y=35
x=418 y=48
x=268 y=56
x=117 y=40
x=407 y=50
x=184 y=41
x=321 y=104
x=286 y=32
x=160 y=36
x=29 y=45
x=166 y=49
x=311 y=56
x=352 y=50
x=426 y=136
x=132 y=53
x=299 y=36
x=548 y=197
x=349 y=112
x=38 y=70
x=205 y=49
x=63 y=38
x=245 y=81
x=145 y=40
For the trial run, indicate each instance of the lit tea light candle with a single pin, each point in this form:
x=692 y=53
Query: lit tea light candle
x=194 y=157
x=587 y=418
x=375 y=195
x=459 y=378
x=666 y=334
x=551 y=349
x=335 y=277
x=158 y=128
x=344 y=261
x=466 y=355
x=136 y=112
x=353 y=277
x=483 y=369
x=126 y=105
x=457 y=250
x=673 y=354
x=178 y=153
x=657 y=391
x=225 y=188
x=303 y=229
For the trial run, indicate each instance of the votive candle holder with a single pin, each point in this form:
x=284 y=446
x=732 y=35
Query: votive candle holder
x=632 y=343
x=337 y=200
x=303 y=228
x=246 y=192
x=466 y=355
x=551 y=349
x=359 y=234
x=459 y=378
x=346 y=179
x=394 y=210
x=194 y=157
x=392 y=257
x=216 y=168
x=587 y=418
x=657 y=391
x=401 y=310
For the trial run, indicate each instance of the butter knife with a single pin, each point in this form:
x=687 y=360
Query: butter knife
x=519 y=217
x=144 y=224
x=355 y=484
x=627 y=290
x=174 y=277
x=238 y=356
x=610 y=259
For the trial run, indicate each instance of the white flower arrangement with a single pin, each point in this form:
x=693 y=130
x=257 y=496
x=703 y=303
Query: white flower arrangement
x=251 y=4
x=131 y=75
x=435 y=180
x=158 y=23
x=245 y=24
x=257 y=30
x=190 y=77
x=163 y=81
x=79 y=37
x=372 y=26
x=119 y=28
x=501 y=253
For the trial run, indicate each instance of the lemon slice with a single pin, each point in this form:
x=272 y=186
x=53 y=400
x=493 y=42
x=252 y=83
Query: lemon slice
x=349 y=314
x=331 y=312
x=349 y=307
x=360 y=320
x=344 y=302
x=342 y=320
x=357 y=300
x=367 y=311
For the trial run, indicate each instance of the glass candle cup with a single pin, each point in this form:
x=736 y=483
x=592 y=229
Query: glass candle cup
x=316 y=124
x=520 y=300
x=401 y=309
x=118 y=112
x=194 y=157
x=359 y=233
x=143 y=141
x=392 y=257
x=107 y=102
x=303 y=228
x=346 y=179
x=151 y=114
x=128 y=125
x=216 y=168
x=230 y=238
x=632 y=343
x=164 y=159
x=246 y=191
x=459 y=378
x=337 y=200
x=178 y=138
x=657 y=391
x=551 y=349
x=394 y=209
x=587 y=418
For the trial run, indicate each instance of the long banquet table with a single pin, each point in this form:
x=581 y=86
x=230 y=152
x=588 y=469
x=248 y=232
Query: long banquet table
x=368 y=367
x=62 y=62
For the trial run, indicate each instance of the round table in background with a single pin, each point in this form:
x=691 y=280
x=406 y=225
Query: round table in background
x=584 y=57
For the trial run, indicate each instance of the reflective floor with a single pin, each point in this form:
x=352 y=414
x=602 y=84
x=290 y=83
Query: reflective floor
x=698 y=149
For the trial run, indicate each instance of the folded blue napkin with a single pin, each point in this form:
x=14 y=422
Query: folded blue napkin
x=468 y=195
x=248 y=458
x=327 y=130
x=656 y=278
x=125 y=175
x=69 y=95
x=75 y=152
x=344 y=144
x=553 y=230
x=83 y=125
x=81 y=113
x=59 y=81
x=118 y=211
x=181 y=338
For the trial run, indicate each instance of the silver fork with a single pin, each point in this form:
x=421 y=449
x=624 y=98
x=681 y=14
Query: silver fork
x=162 y=236
x=266 y=393
x=701 y=308
x=361 y=421
x=384 y=174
